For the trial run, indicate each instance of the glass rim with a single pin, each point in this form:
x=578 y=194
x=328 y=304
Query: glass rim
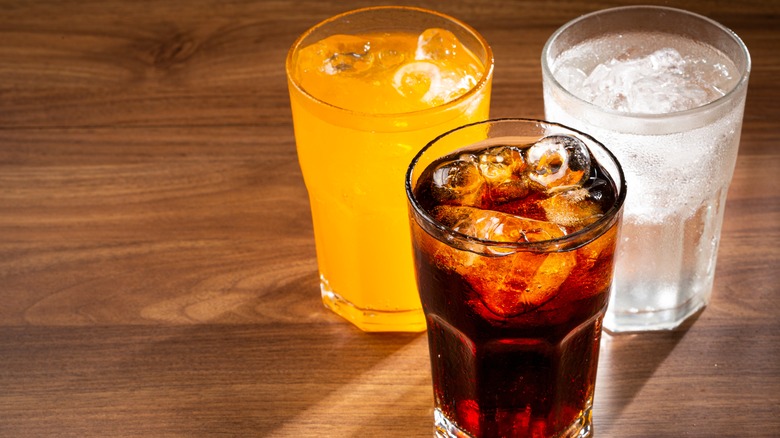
x=563 y=243
x=547 y=71
x=481 y=83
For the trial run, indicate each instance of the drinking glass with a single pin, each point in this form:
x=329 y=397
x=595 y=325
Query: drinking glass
x=514 y=302
x=368 y=88
x=665 y=90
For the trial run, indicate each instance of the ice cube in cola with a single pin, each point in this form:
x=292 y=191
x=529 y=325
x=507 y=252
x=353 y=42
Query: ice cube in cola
x=514 y=331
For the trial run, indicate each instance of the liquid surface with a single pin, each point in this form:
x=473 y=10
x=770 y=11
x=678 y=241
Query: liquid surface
x=388 y=73
x=514 y=336
x=625 y=74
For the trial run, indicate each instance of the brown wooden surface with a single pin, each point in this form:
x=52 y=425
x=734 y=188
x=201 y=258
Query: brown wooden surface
x=157 y=266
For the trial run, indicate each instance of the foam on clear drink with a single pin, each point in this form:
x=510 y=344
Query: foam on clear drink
x=514 y=334
x=676 y=172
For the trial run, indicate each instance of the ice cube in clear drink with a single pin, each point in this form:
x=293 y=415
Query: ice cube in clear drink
x=661 y=82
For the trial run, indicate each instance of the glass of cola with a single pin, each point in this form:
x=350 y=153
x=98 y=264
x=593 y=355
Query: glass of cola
x=514 y=225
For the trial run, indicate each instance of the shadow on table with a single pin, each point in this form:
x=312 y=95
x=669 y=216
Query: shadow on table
x=628 y=362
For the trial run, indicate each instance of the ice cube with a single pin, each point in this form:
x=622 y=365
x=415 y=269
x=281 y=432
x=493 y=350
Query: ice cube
x=495 y=226
x=390 y=58
x=436 y=45
x=570 y=76
x=515 y=190
x=345 y=55
x=454 y=83
x=600 y=251
x=437 y=75
x=502 y=168
x=430 y=83
x=498 y=164
x=594 y=266
x=505 y=283
x=521 y=204
x=558 y=162
x=522 y=283
x=419 y=80
x=571 y=208
x=661 y=82
x=458 y=182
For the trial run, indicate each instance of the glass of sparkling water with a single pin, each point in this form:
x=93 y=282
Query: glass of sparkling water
x=665 y=90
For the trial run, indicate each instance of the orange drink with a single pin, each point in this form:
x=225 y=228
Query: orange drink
x=368 y=89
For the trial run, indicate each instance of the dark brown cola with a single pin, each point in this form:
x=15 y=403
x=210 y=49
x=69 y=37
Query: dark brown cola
x=513 y=331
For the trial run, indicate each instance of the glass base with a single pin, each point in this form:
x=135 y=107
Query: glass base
x=444 y=428
x=582 y=427
x=644 y=321
x=372 y=320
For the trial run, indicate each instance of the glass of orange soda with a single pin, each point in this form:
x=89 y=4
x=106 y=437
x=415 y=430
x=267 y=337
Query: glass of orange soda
x=368 y=89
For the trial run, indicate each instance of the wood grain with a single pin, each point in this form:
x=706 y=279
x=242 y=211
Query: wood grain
x=157 y=266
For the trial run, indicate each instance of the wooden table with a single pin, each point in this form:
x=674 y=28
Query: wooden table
x=157 y=267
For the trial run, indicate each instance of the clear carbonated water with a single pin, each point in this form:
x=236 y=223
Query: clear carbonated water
x=677 y=170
